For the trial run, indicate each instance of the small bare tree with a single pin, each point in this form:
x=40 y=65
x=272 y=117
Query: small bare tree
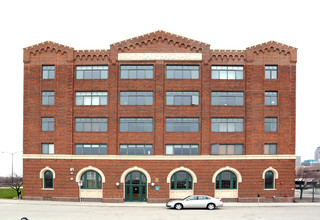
x=15 y=182
x=305 y=179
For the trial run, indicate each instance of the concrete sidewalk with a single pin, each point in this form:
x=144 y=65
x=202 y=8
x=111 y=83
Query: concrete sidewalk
x=145 y=204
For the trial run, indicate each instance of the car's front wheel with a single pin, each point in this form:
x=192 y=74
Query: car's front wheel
x=211 y=206
x=178 y=206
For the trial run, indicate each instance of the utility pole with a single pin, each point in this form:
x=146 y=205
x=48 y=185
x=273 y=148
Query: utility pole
x=11 y=162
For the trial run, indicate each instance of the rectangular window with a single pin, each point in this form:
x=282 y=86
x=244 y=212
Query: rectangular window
x=182 y=72
x=271 y=98
x=227 y=124
x=91 y=124
x=270 y=124
x=271 y=72
x=227 y=72
x=136 y=124
x=47 y=98
x=47 y=124
x=182 y=149
x=48 y=72
x=270 y=149
x=227 y=98
x=182 y=98
x=92 y=72
x=182 y=124
x=91 y=98
x=91 y=149
x=135 y=149
x=136 y=98
x=136 y=72
x=47 y=148
x=227 y=149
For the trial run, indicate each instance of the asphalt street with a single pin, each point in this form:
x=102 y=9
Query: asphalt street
x=46 y=210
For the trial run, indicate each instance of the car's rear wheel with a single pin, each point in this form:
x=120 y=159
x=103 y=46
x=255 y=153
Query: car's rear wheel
x=211 y=206
x=178 y=206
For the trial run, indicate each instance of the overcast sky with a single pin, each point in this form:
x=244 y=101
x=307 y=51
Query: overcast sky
x=97 y=24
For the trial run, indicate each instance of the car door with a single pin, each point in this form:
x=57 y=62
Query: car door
x=202 y=201
x=190 y=202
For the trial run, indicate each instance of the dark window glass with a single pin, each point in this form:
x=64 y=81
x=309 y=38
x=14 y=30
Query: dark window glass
x=48 y=180
x=92 y=72
x=91 y=180
x=226 y=180
x=268 y=180
x=181 y=180
x=136 y=177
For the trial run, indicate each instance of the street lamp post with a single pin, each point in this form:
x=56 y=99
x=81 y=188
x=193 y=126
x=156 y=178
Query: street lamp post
x=4 y=152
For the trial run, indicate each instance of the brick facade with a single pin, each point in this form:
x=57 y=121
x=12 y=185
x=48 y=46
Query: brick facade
x=250 y=165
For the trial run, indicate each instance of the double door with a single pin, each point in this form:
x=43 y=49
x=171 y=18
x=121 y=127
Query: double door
x=136 y=193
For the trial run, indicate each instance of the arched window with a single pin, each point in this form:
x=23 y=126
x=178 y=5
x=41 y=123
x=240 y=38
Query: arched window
x=269 y=180
x=136 y=177
x=181 y=180
x=91 y=180
x=226 y=180
x=48 y=180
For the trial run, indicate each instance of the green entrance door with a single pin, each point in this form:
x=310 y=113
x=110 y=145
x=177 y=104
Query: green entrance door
x=136 y=187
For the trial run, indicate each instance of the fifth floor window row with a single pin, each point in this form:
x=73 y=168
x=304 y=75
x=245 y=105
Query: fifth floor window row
x=147 y=72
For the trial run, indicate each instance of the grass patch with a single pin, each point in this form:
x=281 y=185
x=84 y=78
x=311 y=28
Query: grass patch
x=9 y=193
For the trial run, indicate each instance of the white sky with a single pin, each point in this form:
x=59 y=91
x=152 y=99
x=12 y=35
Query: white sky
x=96 y=24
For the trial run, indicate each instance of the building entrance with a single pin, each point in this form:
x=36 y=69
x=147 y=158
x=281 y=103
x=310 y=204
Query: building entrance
x=136 y=187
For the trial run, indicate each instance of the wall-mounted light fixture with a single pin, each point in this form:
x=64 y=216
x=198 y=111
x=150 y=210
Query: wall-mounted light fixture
x=117 y=184
x=152 y=184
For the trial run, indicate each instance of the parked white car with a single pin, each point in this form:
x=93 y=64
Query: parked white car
x=196 y=201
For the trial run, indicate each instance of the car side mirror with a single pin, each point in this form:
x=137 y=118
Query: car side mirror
x=187 y=199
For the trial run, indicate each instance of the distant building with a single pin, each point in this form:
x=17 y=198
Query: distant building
x=310 y=163
x=317 y=154
x=298 y=161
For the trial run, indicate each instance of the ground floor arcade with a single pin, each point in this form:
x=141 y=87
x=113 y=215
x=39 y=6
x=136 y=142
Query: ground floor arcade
x=126 y=180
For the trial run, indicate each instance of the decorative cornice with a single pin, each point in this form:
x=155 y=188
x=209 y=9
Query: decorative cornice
x=95 y=55
x=160 y=36
x=226 y=55
x=272 y=46
x=47 y=46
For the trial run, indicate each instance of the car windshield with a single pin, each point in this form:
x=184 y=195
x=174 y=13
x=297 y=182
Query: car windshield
x=186 y=198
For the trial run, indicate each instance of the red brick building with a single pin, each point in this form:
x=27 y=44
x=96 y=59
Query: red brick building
x=158 y=117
